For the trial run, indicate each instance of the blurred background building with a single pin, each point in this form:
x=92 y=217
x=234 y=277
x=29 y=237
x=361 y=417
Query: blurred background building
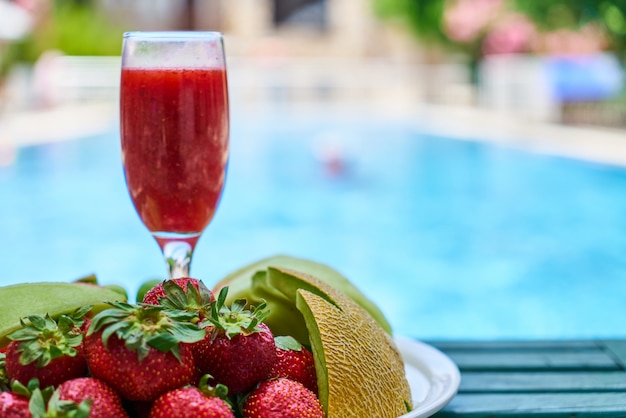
x=556 y=61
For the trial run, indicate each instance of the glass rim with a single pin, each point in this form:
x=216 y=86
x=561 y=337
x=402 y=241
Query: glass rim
x=172 y=35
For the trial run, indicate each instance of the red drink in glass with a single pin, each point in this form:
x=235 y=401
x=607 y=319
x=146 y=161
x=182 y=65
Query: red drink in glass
x=175 y=135
x=175 y=145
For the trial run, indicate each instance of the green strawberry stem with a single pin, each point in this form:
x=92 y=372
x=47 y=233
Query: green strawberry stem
x=38 y=398
x=43 y=339
x=142 y=327
x=235 y=320
x=51 y=406
x=219 y=390
x=197 y=301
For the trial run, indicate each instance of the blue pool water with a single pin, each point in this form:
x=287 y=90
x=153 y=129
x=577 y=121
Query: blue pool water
x=453 y=239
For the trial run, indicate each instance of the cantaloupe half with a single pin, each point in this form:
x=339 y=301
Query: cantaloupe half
x=360 y=372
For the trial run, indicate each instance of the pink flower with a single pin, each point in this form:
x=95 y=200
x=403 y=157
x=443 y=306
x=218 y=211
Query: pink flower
x=465 y=20
x=513 y=33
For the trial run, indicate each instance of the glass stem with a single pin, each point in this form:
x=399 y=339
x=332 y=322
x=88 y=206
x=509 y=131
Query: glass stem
x=178 y=258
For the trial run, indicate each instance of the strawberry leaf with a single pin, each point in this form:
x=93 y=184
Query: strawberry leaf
x=40 y=322
x=23 y=334
x=37 y=405
x=221 y=298
x=175 y=295
x=55 y=352
x=20 y=389
x=205 y=294
x=81 y=312
x=65 y=323
x=113 y=328
x=238 y=306
x=38 y=398
x=43 y=339
x=187 y=333
x=236 y=319
x=56 y=407
x=163 y=342
x=287 y=342
x=118 y=312
x=143 y=327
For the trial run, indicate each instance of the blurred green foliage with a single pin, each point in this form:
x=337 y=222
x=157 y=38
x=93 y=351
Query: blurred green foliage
x=72 y=27
x=556 y=14
x=425 y=17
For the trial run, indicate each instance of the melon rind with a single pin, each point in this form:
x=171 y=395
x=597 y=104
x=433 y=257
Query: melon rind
x=359 y=369
x=240 y=282
x=21 y=300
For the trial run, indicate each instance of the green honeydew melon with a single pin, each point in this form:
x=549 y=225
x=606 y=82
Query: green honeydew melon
x=20 y=300
x=248 y=283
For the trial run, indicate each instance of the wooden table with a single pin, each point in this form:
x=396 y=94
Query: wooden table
x=538 y=379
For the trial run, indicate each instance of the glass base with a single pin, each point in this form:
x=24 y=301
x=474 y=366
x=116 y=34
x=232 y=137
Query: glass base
x=177 y=250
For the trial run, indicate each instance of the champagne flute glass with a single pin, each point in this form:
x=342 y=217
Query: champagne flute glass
x=174 y=121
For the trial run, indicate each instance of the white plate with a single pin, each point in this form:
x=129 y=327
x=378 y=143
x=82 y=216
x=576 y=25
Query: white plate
x=433 y=377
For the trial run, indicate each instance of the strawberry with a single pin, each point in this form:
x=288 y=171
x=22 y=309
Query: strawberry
x=282 y=398
x=189 y=402
x=183 y=293
x=24 y=401
x=239 y=349
x=140 y=351
x=13 y=405
x=295 y=362
x=48 y=350
x=193 y=402
x=154 y=295
x=104 y=402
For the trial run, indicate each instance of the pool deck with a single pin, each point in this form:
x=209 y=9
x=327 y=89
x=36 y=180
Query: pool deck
x=596 y=144
x=525 y=379
x=601 y=145
x=31 y=127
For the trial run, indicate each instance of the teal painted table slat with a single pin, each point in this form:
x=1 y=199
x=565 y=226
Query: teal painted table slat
x=511 y=379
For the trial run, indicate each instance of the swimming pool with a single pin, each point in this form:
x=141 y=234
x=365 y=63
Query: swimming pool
x=453 y=239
